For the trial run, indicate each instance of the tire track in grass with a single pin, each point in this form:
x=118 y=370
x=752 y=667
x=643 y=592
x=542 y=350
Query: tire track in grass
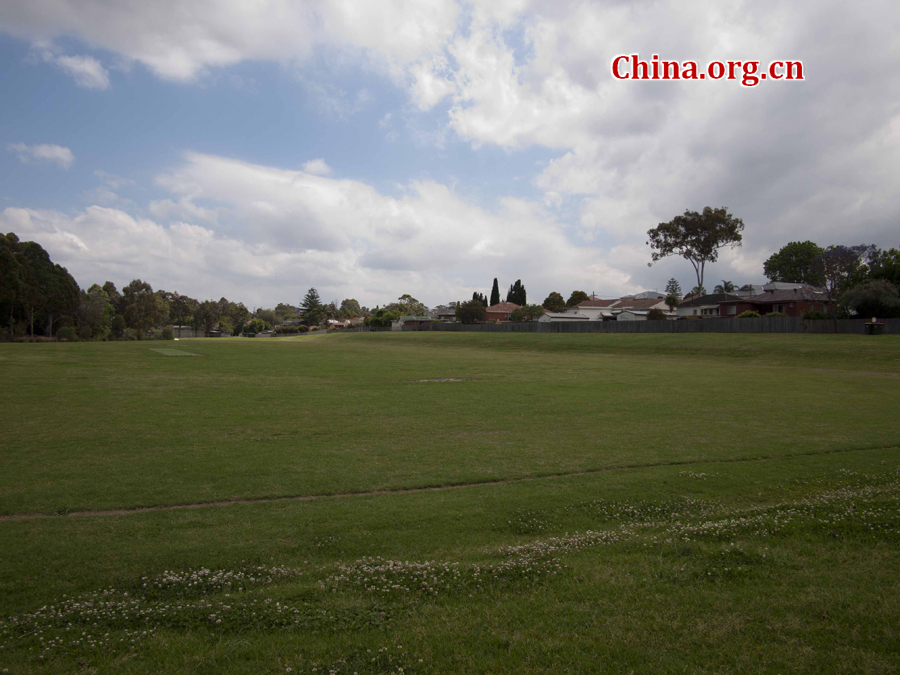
x=427 y=488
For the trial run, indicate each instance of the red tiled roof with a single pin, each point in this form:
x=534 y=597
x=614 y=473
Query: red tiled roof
x=597 y=303
x=503 y=307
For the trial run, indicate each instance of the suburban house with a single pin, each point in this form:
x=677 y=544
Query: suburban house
x=500 y=311
x=706 y=305
x=410 y=320
x=594 y=309
x=641 y=304
x=791 y=301
x=547 y=317
x=445 y=313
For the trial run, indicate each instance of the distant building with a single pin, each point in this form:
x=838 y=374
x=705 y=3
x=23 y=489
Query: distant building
x=445 y=313
x=500 y=311
x=705 y=305
x=644 y=304
x=792 y=301
x=547 y=317
x=410 y=320
x=595 y=309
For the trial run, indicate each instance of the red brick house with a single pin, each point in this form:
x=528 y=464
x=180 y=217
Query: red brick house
x=500 y=311
x=793 y=302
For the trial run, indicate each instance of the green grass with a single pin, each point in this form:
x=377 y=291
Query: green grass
x=743 y=491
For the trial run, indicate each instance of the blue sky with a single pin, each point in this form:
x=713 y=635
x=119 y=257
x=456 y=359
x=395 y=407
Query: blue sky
x=255 y=151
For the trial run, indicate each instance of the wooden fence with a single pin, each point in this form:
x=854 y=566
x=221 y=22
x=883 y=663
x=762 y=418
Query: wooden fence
x=777 y=324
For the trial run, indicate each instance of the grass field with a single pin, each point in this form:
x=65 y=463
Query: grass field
x=443 y=502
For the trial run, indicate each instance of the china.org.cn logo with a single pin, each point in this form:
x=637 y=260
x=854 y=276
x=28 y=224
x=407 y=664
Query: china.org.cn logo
x=632 y=67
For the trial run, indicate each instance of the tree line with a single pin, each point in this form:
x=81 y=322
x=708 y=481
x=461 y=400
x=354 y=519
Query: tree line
x=39 y=298
x=861 y=280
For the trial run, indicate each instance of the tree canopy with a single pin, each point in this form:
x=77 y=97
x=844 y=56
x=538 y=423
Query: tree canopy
x=472 y=311
x=517 y=293
x=724 y=287
x=673 y=288
x=877 y=298
x=576 y=298
x=527 y=313
x=554 y=302
x=495 y=292
x=696 y=237
x=313 y=314
x=31 y=283
x=794 y=263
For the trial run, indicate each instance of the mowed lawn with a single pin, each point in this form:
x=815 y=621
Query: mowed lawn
x=613 y=503
x=118 y=425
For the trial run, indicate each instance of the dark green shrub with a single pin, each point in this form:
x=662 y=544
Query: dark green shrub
x=656 y=315
x=85 y=332
x=168 y=334
x=67 y=334
x=691 y=317
x=288 y=330
x=776 y=314
x=302 y=329
x=815 y=315
x=749 y=314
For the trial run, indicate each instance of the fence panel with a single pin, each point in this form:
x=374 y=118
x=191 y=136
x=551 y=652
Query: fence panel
x=775 y=324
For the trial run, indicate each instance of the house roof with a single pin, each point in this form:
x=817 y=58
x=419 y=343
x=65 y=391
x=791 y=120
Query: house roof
x=566 y=316
x=641 y=303
x=503 y=307
x=787 y=295
x=714 y=299
x=597 y=303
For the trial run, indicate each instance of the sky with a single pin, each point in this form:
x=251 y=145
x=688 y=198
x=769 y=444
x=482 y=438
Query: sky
x=253 y=149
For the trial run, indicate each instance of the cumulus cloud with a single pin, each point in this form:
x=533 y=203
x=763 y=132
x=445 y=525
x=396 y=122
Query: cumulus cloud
x=59 y=154
x=179 y=41
x=342 y=236
x=814 y=159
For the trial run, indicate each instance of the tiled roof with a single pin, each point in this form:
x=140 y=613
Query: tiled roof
x=503 y=307
x=598 y=303
x=714 y=299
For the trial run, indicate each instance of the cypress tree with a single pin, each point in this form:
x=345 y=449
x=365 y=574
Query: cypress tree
x=495 y=293
x=517 y=294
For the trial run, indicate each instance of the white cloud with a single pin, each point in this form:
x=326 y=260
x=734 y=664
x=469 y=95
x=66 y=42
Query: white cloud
x=43 y=152
x=814 y=159
x=179 y=41
x=317 y=167
x=342 y=236
x=87 y=71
